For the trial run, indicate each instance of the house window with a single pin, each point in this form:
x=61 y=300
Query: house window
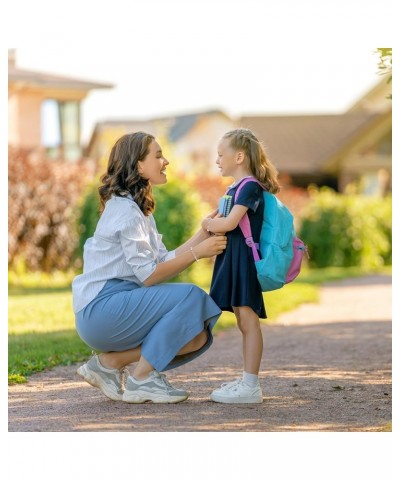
x=70 y=129
x=385 y=144
x=50 y=128
x=61 y=129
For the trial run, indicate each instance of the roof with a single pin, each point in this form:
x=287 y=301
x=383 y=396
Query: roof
x=376 y=98
x=303 y=143
x=46 y=80
x=178 y=125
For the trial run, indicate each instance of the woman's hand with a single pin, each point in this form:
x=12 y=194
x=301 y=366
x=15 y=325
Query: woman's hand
x=210 y=247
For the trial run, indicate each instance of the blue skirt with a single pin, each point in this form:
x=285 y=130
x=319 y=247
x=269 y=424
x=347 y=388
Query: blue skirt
x=161 y=319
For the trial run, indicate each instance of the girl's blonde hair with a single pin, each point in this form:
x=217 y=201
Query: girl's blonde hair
x=122 y=177
x=244 y=139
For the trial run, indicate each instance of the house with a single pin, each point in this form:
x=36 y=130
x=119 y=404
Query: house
x=341 y=150
x=44 y=111
x=191 y=138
x=349 y=149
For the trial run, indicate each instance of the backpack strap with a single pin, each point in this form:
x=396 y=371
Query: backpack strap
x=244 y=223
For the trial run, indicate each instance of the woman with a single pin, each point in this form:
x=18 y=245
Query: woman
x=120 y=307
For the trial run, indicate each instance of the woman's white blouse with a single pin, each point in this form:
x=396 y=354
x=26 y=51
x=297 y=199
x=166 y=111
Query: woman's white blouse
x=125 y=245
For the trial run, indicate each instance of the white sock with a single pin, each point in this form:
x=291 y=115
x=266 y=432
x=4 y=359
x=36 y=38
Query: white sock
x=250 y=379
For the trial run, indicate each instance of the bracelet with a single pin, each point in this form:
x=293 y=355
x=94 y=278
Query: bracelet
x=191 y=249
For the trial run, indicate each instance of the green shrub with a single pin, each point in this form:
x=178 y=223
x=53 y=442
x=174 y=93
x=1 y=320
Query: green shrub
x=178 y=212
x=347 y=230
x=88 y=215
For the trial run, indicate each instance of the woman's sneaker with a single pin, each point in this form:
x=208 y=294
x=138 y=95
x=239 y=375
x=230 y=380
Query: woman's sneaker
x=155 y=388
x=237 y=392
x=111 y=381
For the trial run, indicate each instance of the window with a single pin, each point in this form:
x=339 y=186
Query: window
x=60 y=126
x=50 y=128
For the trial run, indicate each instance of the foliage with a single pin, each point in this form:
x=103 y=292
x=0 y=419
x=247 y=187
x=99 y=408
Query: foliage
x=41 y=210
x=296 y=200
x=178 y=212
x=347 y=230
x=210 y=188
x=385 y=64
x=88 y=216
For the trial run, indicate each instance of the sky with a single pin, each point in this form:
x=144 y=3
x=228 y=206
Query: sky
x=178 y=56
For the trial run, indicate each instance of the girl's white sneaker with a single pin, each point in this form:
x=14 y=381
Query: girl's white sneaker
x=237 y=392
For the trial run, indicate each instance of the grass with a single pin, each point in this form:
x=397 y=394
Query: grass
x=385 y=428
x=41 y=322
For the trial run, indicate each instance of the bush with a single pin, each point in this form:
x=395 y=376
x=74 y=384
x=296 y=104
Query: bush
x=89 y=213
x=210 y=188
x=347 y=230
x=178 y=213
x=42 y=195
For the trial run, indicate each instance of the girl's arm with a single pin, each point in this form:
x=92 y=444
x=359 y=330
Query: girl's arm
x=225 y=224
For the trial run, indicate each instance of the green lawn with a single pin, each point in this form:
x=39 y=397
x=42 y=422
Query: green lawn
x=41 y=322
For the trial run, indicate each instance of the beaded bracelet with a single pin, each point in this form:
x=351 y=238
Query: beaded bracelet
x=195 y=257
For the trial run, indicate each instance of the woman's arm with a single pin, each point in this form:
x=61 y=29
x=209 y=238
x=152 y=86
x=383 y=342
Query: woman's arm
x=166 y=270
x=225 y=224
x=198 y=237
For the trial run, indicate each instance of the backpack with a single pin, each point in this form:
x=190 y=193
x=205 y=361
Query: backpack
x=281 y=250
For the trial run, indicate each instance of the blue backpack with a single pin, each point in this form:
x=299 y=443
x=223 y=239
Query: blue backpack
x=281 y=250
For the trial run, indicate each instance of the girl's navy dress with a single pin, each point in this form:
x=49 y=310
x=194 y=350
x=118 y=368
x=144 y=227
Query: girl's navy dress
x=234 y=282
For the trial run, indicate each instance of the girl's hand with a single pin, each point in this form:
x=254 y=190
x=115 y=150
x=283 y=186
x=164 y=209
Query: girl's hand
x=212 y=246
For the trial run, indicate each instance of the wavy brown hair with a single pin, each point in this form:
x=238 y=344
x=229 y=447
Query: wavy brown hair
x=261 y=167
x=122 y=177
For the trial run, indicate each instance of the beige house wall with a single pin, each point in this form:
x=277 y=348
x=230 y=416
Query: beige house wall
x=198 y=149
x=365 y=164
x=24 y=111
x=24 y=117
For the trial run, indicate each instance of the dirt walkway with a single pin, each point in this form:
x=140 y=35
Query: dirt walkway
x=326 y=367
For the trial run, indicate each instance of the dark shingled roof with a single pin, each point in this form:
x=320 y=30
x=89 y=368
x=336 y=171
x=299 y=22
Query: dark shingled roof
x=303 y=143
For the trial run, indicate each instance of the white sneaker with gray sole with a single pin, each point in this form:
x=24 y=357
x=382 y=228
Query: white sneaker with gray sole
x=155 y=388
x=111 y=381
x=237 y=392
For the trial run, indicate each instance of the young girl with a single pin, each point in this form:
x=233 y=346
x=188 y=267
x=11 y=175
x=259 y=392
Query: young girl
x=234 y=284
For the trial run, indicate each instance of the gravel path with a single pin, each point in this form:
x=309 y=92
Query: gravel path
x=326 y=367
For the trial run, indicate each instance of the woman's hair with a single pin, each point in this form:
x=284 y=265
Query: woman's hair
x=122 y=177
x=260 y=166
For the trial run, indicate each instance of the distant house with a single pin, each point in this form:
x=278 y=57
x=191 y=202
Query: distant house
x=193 y=138
x=44 y=111
x=334 y=150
